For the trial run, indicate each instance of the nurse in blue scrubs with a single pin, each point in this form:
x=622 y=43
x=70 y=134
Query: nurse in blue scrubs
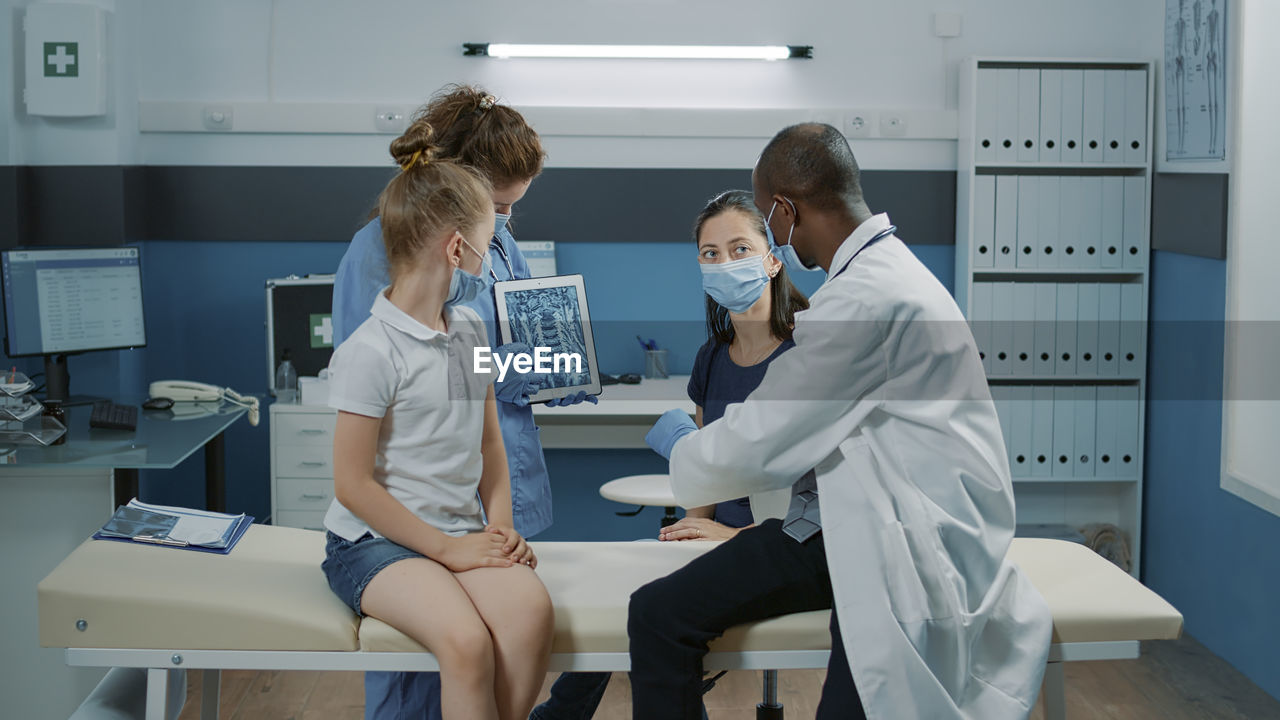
x=472 y=128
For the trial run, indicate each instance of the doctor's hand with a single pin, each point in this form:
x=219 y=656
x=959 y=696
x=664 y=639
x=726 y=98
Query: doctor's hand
x=673 y=425
x=513 y=388
x=517 y=550
x=474 y=550
x=696 y=528
x=574 y=399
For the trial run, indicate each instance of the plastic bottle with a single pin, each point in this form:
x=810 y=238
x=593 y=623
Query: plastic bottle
x=286 y=380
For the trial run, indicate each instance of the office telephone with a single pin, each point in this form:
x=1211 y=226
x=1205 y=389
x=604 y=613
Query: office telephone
x=189 y=391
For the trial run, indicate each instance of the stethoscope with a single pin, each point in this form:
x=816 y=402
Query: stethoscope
x=874 y=239
x=496 y=244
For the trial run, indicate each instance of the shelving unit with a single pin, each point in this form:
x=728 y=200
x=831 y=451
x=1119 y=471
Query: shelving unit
x=1052 y=253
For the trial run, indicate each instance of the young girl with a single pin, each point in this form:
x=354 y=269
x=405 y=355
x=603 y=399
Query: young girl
x=420 y=534
x=751 y=307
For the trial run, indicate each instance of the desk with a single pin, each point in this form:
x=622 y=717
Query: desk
x=624 y=415
x=51 y=499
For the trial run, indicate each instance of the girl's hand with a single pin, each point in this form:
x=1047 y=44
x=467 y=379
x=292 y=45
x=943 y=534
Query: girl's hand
x=696 y=528
x=474 y=550
x=514 y=545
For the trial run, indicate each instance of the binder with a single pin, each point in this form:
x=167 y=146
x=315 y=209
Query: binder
x=1064 y=430
x=1108 y=329
x=1020 y=405
x=1002 y=328
x=1069 y=225
x=1090 y=247
x=984 y=221
x=1086 y=420
x=1006 y=221
x=1000 y=395
x=1135 y=208
x=1127 y=431
x=1028 y=220
x=1028 y=115
x=1072 y=115
x=1132 y=330
x=1068 y=301
x=987 y=109
x=1007 y=118
x=1045 y=347
x=1050 y=115
x=980 y=322
x=1104 y=450
x=1087 y=329
x=1042 y=431
x=1024 y=325
x=1113 y=129
x=1135 y=117
x=1091 y=120
x=1112 y=222
x=1049 y=221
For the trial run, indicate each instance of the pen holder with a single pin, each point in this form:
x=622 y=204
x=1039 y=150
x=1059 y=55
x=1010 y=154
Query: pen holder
x=655 y=363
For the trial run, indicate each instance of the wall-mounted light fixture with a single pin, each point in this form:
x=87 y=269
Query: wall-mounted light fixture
x=664 y=52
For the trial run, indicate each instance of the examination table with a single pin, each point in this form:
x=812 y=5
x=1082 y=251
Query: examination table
x=266 y=605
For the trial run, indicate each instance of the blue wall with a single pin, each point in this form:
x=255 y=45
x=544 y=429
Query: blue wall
x=1211 y=554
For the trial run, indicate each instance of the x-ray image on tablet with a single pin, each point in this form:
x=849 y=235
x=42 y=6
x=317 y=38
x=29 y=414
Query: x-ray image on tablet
x=550 y=313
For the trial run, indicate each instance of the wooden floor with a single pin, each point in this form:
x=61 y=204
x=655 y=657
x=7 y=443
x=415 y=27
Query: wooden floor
x=1178 y=680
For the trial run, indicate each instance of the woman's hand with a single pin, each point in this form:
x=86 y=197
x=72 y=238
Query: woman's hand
x=513 y=545
x=696 y=528
x=475 y=550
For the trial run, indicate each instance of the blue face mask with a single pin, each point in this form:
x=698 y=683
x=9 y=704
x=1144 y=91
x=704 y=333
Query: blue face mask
x=500 y=221
x=465 y=287
x=736 y=285
x=785 y=253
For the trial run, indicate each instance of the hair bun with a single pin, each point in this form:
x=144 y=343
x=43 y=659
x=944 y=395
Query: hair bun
x=415 y=145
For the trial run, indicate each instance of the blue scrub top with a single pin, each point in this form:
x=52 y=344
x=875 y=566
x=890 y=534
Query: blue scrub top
x=364 y=271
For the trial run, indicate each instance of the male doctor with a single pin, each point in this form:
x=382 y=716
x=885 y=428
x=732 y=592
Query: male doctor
x=900 y=510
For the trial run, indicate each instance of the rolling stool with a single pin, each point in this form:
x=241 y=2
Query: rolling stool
x=655 y=491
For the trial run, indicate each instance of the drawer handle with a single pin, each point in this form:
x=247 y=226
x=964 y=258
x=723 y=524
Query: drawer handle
x=314 y=496
x=312 y=431
x=312 y=463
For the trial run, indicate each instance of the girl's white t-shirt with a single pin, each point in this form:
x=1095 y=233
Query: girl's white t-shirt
x=420 y=382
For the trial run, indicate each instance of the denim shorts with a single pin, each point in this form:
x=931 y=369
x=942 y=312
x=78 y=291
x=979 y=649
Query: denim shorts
x=349 y=566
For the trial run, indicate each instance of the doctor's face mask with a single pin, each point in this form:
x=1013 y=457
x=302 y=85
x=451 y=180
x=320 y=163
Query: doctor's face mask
x=785 y=253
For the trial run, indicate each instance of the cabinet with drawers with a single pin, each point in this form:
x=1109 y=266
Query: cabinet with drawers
x=301 y=464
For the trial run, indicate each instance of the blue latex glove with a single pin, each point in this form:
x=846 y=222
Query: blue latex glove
x=574 y=399
x=673 y=425
x=514 y=387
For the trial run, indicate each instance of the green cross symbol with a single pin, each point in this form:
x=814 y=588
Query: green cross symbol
x=61 y=59
x=322 y=331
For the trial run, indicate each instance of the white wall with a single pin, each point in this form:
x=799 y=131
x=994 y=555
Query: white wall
x=868 y=53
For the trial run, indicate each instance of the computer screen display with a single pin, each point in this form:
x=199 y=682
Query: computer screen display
x=71 y=300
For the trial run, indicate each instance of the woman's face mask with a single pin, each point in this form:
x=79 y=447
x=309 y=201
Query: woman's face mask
x=734 y=269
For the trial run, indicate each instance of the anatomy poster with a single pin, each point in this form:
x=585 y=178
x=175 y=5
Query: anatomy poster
x=1195 y=77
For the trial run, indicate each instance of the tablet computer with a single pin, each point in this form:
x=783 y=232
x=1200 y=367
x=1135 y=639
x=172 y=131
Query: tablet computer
x=549 y=314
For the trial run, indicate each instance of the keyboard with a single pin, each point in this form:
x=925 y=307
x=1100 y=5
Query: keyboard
x=107 y=414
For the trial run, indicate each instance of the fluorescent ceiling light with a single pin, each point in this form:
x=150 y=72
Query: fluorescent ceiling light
x=665 y=52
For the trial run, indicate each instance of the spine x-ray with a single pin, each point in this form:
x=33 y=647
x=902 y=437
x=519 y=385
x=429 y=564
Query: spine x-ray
x=550 y=317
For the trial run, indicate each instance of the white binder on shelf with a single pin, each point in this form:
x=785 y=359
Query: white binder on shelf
x=1135 y=117
x=1135 y=207
x=1049 y=222
x=986 y=108
x=1072 y=115
x=1086 y=431
x=1020 y=404
x=1028 y=114
x=1068 y=302
x=1089 y=249
x=1132 y=331
x=1006 y=221
x=1113 y=128
x=1087 y=329
x=1127 y=430
x=1112 y=221
x=1045 y=347
x=1069 y=244
x=1028 y=221
x=1094 y=104
x=1042 y=431
x=980 y=322
x=1024 y=326
x=1002 y=328
x=1007 y=119
x=1104 y=450
x=984 y=221
x=1108 y=329
x=1064 y=430
x=1050 y=115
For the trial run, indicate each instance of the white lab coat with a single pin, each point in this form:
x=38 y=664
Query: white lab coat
x=885 y=397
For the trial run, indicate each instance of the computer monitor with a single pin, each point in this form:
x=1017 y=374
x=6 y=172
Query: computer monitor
x=63 y=301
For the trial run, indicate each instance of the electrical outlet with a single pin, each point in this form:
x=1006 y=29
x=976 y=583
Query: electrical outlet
x=389 y=119
x=218 y=117
x=893 y=125
x=857 y=124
